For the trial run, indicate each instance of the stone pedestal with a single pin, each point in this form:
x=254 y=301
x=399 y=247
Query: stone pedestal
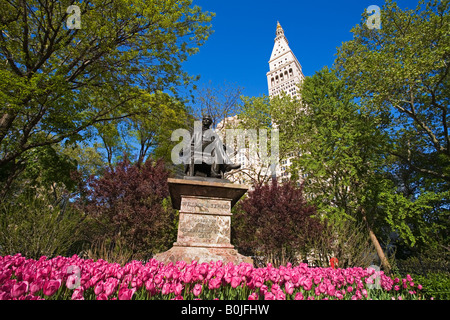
x=205 y=221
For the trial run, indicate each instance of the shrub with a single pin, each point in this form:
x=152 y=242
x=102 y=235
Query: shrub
x=130 y=204
x=435 y=285
x=347 y=241
x=274 y=221
x=37 y=226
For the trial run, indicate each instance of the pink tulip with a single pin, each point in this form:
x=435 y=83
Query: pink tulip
x=36 y=285
x=214 y=283
x=78 y=294
x=73 y=281
x=158 y=278
x=110 y=286
x=197 y=289
x=166 y=289
x=317 y=291
x=235 y=282
x=126 y=294
x=5 y=275
x=50 y=287
x=150 y=286
x=269 y=296
x=136 y=283
x=177 y=288
x=263 y=289
x=289 y=287
x=253 y=296
x=19 y=289
x=180 y=264
x=364 y=292
x=98 y=288
x=298 y=296
x=280 y=295
x=259 y=282
x=5 y=295
x=203 y=270
x=187 y=277
x=322 y=287
x=102 y=296
x=307 y=285
x=331 y=290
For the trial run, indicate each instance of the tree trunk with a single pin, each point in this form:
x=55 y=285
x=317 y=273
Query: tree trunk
x=373 y=238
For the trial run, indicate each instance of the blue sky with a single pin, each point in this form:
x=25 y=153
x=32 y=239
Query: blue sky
x=239 y=49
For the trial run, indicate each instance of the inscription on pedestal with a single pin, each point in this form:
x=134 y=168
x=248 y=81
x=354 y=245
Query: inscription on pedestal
x=207 y=229
x=200 y=227
x=208 y=206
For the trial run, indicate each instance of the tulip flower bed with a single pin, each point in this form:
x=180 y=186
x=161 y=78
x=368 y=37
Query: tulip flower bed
x=64 y=278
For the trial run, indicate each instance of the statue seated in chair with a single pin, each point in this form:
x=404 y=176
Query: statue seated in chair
x=207 y=146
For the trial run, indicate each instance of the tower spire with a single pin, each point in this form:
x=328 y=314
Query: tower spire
x=284 y=69
x=280 y=30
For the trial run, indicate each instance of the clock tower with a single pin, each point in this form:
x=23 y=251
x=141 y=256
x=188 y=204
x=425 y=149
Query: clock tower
x=285 y=70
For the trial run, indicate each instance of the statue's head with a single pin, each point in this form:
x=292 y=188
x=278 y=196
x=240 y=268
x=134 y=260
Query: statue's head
x=207 y=121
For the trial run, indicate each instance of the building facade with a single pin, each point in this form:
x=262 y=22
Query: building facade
x=284 y=75
x=285 y=72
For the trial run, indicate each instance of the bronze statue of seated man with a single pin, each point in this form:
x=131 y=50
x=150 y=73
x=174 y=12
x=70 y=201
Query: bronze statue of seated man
x=207 y=146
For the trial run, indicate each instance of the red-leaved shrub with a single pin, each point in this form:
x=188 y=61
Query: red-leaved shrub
x=275 y=223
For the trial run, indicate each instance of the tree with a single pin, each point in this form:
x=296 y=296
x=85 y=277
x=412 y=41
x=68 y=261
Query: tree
x=341 y=154
x=275 y=222
x=148 y=132
x=130 y=204
x=275 y=116
x=219 y=102
x=401 y=72
x=58 y=82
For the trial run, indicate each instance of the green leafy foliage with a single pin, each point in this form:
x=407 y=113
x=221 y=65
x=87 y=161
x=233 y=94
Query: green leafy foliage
x=129 y=204
x=58 y=82
x=402 y=70
x=38 y=226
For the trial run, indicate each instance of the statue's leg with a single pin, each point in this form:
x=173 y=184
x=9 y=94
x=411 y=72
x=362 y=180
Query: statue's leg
x=215 y=171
